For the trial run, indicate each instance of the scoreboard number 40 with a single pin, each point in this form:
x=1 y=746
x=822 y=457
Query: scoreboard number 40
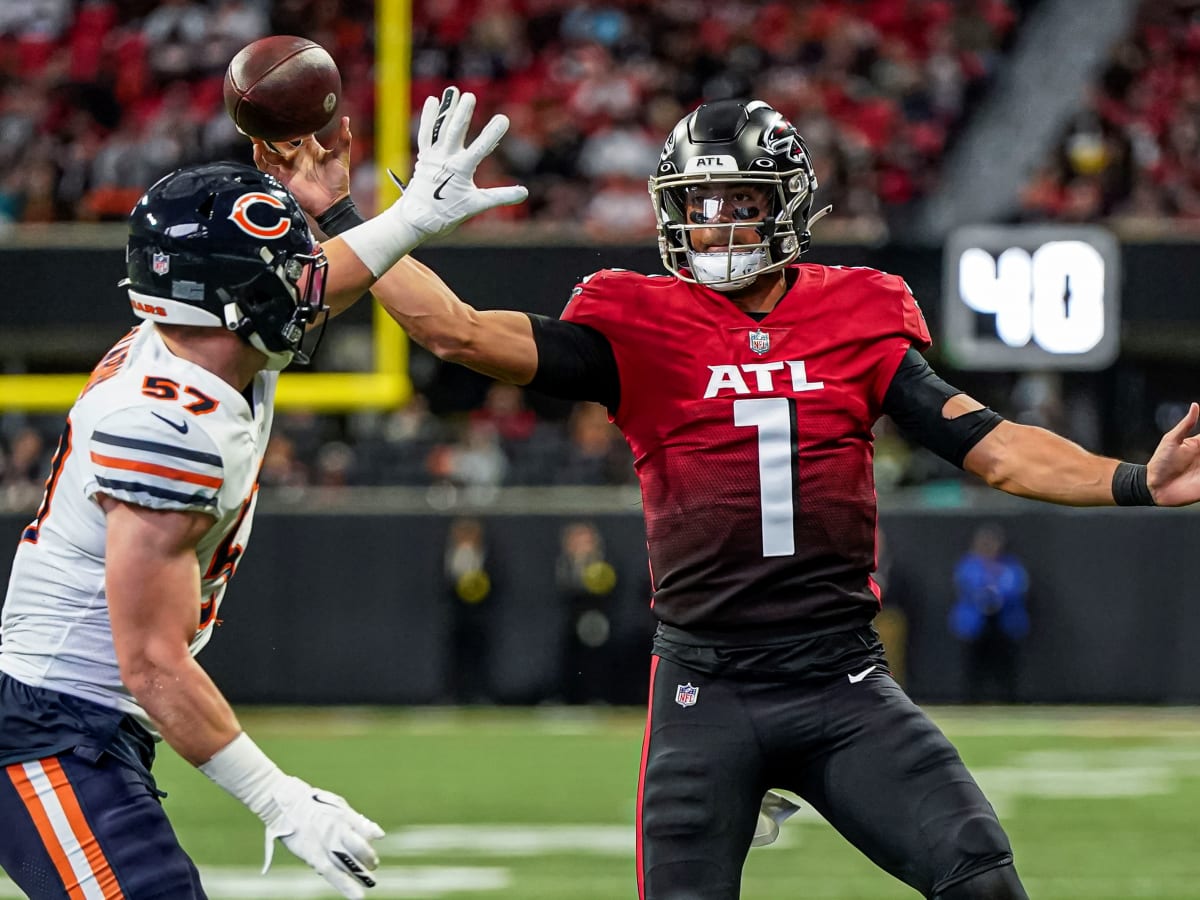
x=1038 y=297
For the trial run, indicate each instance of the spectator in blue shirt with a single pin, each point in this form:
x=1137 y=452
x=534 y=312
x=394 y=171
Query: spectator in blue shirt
x=989 y=614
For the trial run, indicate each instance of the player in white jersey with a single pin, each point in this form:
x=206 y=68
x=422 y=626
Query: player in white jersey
x=118 y=579
x=158 y=432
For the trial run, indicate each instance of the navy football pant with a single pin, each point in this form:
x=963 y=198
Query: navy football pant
x=80 y=830
x=861 y=753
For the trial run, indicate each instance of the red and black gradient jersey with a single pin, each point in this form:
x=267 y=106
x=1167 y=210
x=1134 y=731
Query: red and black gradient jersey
x=752 y=440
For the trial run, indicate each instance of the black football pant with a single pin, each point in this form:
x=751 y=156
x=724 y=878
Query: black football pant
x=859 y=751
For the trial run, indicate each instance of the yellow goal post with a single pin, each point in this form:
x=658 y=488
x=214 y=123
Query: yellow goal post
x=387 y=385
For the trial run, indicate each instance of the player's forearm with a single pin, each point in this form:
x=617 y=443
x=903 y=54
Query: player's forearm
x=154 y=607
x=496 y=343
x=185 y=705
x=347 y=277
x=1032 y=462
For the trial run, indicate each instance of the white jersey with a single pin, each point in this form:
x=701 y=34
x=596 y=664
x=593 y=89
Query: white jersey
x=150 y=429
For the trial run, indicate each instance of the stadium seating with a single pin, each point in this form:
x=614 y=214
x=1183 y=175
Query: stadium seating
x=1130 y=156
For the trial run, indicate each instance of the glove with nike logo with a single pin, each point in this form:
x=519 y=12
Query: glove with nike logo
x=442 y=193
x=317 y=826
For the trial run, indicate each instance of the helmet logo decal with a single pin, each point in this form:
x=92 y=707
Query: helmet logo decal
x=782 y=138
x=160 y=263
x=669 y=147
x=720 y=163
x=240 y=218
x=149 y=309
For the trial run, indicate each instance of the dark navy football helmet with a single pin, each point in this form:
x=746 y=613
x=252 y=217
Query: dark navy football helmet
x=226 y=245
x=734 y=142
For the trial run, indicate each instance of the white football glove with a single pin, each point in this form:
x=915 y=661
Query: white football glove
x=322 y=829
x=317 y=826
x=442 y=192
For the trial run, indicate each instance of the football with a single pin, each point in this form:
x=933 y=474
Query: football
x=281 y=88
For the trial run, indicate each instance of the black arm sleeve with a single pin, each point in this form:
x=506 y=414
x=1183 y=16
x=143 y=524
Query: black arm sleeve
x=575 y=362
x=340 y=217
x=915 y=399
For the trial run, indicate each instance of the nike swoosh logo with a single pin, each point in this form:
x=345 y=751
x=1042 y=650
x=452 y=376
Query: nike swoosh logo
x=181 y=427
x=319 y=799
x=855 y=679
x=437 y=195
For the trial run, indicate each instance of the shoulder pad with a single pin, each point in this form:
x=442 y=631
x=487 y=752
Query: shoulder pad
x=159 y=457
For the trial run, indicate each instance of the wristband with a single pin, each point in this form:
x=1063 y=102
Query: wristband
x=247 y=773
x=1129 y=486
x=342 y=216
x=383 y=241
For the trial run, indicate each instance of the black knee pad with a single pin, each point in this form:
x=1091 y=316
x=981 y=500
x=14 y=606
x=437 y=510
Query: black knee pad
x=999 y=883
x=980 y=836
x=971 y=841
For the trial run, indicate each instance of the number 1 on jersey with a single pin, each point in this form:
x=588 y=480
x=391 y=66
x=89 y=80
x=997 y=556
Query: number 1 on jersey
x=775 y=419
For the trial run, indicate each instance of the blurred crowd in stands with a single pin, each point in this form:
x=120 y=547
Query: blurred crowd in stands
x=1132 y=156
x=592 y=88
x=100 y=97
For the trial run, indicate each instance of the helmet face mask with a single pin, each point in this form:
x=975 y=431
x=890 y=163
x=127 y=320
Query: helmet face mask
x=716 y=151
x=252 y=309
x=224 y=245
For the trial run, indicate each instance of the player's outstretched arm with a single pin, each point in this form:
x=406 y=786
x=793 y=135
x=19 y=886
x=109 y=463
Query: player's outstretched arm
x=153 y=589
x=497 y=343
x=441 y=195
x=1036 y=463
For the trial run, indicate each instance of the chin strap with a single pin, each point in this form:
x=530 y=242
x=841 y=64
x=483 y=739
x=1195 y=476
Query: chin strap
x=232 y=313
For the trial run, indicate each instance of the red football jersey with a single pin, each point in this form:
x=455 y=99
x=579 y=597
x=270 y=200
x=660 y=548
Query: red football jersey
x=752 y=440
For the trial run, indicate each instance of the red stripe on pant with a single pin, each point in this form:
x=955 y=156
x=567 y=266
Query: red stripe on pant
x=641 y=873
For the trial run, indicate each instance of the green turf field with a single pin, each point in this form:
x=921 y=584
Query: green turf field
x=538 y=805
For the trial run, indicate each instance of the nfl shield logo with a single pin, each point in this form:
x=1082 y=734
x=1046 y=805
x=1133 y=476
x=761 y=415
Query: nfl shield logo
x=760 y=342
x=160 y=263
x=686 y=694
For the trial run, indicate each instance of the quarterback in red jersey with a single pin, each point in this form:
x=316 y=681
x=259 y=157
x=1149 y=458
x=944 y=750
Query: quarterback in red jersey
x=752 y=439
x=747 y=386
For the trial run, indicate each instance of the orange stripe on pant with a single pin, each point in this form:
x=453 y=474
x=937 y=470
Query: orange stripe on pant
x=106 y=879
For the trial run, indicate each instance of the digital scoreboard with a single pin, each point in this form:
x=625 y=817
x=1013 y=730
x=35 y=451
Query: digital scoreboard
x=1031 y=297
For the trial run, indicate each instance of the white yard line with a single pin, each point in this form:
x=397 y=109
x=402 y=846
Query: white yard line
x=286 y=883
